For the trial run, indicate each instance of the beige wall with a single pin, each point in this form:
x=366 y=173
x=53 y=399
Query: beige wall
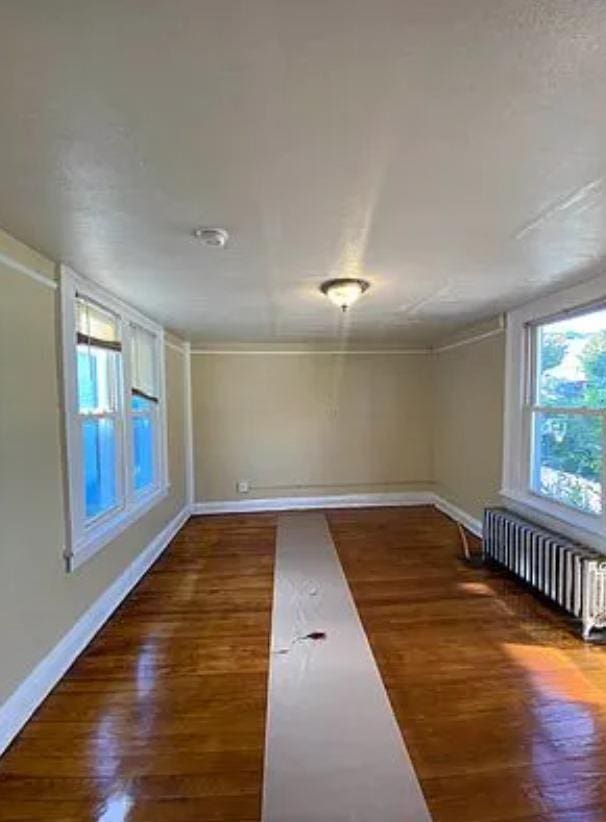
x=39 y=600
x=468 y=433
x=311 y=424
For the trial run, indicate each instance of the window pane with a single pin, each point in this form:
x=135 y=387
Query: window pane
x=143 y=361
x=99 y=451
x=568 y=456
x=142 y=404
x=571 y=360
x=143 y=443
x=94 y=321
x=96 y=379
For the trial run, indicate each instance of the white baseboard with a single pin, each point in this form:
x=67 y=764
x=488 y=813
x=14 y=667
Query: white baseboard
x=18 y=708
x=341 y=501
x=307 y=503
x=454 y=512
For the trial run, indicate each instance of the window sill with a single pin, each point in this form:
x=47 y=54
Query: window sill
x=584 y=528
x=110 y=529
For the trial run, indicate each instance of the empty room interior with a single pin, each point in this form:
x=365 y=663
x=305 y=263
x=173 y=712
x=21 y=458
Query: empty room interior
x=303 y=410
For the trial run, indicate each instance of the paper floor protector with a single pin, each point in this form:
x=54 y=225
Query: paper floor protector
x=334 y=751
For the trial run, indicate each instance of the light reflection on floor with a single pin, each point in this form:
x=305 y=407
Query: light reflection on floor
x=566 y=724
x=146 y=669
x=478 y=588
x=554 y=673
x=567 y=706
x=106 y=743
x=105 y=749
x=116 y=808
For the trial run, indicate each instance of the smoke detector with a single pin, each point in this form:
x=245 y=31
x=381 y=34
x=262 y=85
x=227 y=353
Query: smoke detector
x=212 y=237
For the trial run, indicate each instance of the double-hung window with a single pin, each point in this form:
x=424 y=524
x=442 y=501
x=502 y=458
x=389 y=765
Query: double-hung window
x=555 y=413
x=114 y=410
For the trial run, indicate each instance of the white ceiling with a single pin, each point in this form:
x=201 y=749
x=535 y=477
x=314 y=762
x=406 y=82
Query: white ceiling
x=451 y=151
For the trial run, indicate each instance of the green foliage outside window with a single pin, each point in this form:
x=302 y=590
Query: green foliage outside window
x=572 y=443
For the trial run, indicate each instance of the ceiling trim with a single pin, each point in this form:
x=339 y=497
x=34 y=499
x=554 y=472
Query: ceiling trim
x=314 y=352
x=21 y=268
x=181 y=348
x=473 y=339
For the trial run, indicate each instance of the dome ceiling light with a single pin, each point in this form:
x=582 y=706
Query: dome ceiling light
x=344 y=291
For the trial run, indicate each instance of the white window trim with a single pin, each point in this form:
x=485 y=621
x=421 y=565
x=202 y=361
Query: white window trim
x=515 y=488
x=84 y=542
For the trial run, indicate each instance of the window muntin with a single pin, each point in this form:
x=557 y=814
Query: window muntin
x=567 y=408
x=115 y=416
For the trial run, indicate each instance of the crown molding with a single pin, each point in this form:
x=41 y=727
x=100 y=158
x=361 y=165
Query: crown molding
x=21 y=268
x=472 y=338
x=312 y=351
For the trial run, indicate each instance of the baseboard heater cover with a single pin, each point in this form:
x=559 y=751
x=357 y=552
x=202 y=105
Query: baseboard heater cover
x=566 y=572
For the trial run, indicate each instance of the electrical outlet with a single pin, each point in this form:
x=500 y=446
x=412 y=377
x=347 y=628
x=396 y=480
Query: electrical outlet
x=243 y=486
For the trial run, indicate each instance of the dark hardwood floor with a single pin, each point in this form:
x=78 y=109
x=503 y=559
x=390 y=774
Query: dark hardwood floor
x=502 y=708
x=163 y=716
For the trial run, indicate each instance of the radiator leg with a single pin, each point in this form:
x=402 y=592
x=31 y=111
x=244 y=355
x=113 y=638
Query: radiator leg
x=588 y=605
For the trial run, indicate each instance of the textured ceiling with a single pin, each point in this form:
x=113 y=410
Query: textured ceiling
x=453 y=152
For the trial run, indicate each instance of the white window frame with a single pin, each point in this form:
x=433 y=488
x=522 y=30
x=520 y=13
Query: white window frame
x=86 y=539
x=519 y=376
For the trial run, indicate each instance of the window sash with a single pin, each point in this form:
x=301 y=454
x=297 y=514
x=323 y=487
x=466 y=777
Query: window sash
x=130 y=335
x=152 y=416
x=95 y=321
x=534 y=484
x=143 y=362
x=111 y=379
x=103 y=516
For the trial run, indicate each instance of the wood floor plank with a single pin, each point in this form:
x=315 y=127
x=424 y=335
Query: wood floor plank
x=502 y=708
x=163 y=717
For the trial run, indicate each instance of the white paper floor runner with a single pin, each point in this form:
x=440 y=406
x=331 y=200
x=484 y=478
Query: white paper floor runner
x=333 y=748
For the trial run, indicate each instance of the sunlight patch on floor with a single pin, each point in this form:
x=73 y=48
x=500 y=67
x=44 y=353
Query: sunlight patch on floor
x=553 y=672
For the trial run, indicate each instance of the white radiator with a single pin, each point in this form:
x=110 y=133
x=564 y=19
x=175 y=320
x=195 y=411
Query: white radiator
x=566 y=572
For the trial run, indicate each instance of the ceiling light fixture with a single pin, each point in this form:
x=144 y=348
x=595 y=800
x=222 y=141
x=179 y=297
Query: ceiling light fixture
x=212 y=237
x=344 y=291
